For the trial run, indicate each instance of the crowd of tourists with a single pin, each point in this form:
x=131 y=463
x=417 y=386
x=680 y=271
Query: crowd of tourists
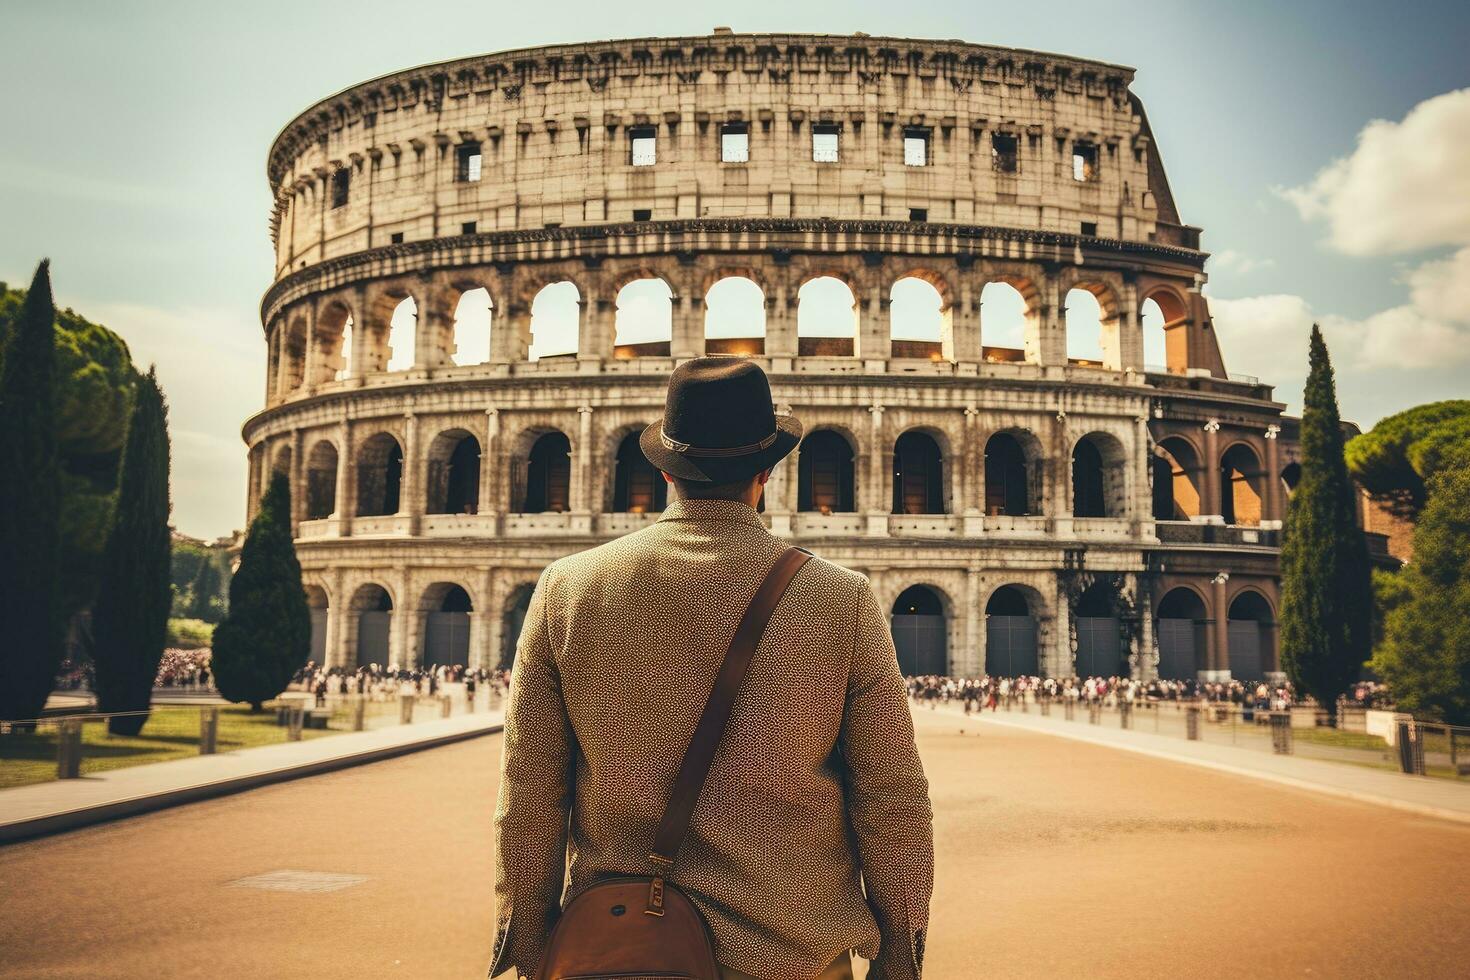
x=387 y=683
x=184 y=670
x=978 y=693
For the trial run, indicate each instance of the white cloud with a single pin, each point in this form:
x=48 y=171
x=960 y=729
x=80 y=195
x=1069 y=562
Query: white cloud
x=1229 y=260
x=1405 y=187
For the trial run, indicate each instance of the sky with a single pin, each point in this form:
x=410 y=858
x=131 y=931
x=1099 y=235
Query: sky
x=1324 y=148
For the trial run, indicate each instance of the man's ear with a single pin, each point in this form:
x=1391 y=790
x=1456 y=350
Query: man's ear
x=667 y=479
x=763 y=476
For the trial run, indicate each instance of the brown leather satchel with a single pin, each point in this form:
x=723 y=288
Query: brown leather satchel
x=641 y=927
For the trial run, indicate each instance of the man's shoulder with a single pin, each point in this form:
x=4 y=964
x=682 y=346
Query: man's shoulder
x=597 y=560
x=830 y=576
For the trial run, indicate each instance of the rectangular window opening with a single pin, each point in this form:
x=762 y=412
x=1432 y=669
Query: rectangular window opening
x=1084 y=162
x=734 y=143
x=468 y=160
x=642 y=214
x=341 y=181
x=918 y=214
x=1004 y=154
x=1089 y=228
x=825 y=143
x=468 y=228
x=915 y=147
x=644 y=141
x=396 y=238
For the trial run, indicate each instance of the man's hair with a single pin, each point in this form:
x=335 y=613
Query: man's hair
x=695 y=490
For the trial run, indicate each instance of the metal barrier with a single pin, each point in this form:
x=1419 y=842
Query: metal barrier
x=1191 y=722
x=295 y=718
x=359 y=714
x=1045 y=704
x=1094 y=712
x=1125 y=714
x=405 y=708
x=446 y=706
x=1411 y=748
x=69 y=749
x=1281 y=732
x=1069 y=708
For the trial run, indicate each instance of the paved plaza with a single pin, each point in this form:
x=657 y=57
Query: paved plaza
x=1055 y=858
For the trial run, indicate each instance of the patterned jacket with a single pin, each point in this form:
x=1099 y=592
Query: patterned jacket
x=816 y=794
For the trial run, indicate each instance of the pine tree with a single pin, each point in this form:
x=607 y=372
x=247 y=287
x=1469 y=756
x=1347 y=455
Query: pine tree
x=266 y=636
x=1326 y=584
x=130 y=619
x=30 y=499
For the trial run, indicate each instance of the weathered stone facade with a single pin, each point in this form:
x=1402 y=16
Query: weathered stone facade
x=1020 y=467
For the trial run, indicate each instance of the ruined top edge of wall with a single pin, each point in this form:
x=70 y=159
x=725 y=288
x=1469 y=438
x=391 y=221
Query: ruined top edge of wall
x=658 y=57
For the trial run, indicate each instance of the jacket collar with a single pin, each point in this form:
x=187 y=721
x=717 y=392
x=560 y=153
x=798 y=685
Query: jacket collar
x=711 y=510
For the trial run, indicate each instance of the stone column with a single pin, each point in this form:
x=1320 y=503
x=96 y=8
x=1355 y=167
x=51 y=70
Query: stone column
x=298 y=482
x=781 y=490
x=597 y=326
x=973 y=662
x=1129 y=333
x=879 y=480
x=411 y=482
x=688 y=338
x=1218 y=650
x=345 y=502
x=973 y=462
x=510 y=335
x=490 y=470
x=781 y=338
x=875 y=337
x=1274 y=510
x=581 y=491
x=398 y=626
x=1147 y=668
x=311 y=355
x=1050 y=324
x=963 y=345
x=1058 y=469
x=1057 y=660
x=1209 y=478
x=433 y=345
x=1140 y=498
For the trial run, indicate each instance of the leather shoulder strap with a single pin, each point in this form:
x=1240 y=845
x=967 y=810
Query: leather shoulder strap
x=711 y=727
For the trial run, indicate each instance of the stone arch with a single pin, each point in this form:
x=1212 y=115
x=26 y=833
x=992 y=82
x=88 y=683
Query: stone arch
x=643 y=322
x=556 y=318
x=1012 y=631
x=1099 y=476
x=372 y=608
x=1098 y=629
x=1181 y=618
x=920 y=318
x=445 y=608
x=1251 y=635
x=401 y=350
x=1291 y=475
x=1166 y=333
x=474 y=322
x=318 y=604
x=1092 y=323
x=827 y=316
x=1176 y=470
x=919 y=472
x=1014 y=463
x=281 y=462
x=638 y=487
x=919 y=621
x=321 y=480
x=453 y=477
x=293 y=352
x=1242 y=484
x=334 y=328
x=1010 y=319
x=542 y=471
x=379 y=476
x=512 y=619
x=735 y=314
x=825 y=467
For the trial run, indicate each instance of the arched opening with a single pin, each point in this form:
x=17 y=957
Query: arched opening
x=644 y=323
x=473 y=316
x=1250 y=633
x=735 y=318
x=294 y=351
x=918 y=475
x=1099 y=633
x=333 y=343
x=1291 y=475
x=826 y=318
x=281 y=463
x=918 y=319
x=374 y=608
x=556 y=317
x=1084 y=319
x=321 y=481
x=824 y=474
x=1099 y=475
x=1175 y=470
x=638 y=488
x=379 y=476
x=1006 y=316
x=447 y=609
x=1010 y=476
x=920 y=633
x=1165 y=331
x=548 y=481
x=454 y=473
x=402 y=335
x=1180 y=631
x=511 y=623
x=1241 y=485
x=1010 y=634
x=316 y=604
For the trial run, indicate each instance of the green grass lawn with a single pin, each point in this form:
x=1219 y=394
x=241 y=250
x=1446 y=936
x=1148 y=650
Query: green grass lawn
x=172 y=732
x=1338 y=738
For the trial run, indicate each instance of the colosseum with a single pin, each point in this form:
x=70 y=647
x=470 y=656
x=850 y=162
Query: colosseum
x=956 y=262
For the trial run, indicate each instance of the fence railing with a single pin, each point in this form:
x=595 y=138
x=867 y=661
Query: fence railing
x=1408 y=745
x=74 y=745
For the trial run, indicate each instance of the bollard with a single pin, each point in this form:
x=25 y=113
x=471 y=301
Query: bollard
x=1069 y=709
x=1125 y=713
x=297 y=718
x=1191 y=723
x=1281 y=732
x=469 y=702
x=405 y=709
x=1411 y=748
x=359 y=714
x=446 y=706
x=208 y=730
x=1094 y=712
x=69 y=748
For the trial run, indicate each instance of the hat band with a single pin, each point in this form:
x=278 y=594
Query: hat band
x=685 y=449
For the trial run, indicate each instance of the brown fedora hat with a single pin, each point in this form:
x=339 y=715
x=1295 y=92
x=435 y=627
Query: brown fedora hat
x=719 y=425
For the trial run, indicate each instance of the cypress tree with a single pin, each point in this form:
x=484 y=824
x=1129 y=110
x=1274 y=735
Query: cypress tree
x=130 y=619
x=266 y=636
x=1326 y=579
x=30 y=501
x=202 y=592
